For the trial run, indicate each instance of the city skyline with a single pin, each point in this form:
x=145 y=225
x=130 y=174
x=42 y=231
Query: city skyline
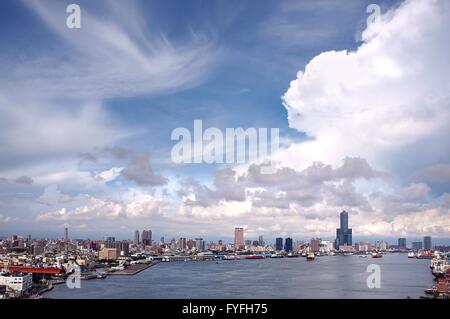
x=239 y=237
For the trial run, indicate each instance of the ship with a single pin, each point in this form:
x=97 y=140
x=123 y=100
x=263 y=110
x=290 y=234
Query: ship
x=293 y=255
x=377 y=255
x=276 y=256
x=310 y=256
x=254 y=257
x=165 y=259
x=424 y=255
x=439 y=267
x=411 y=255
x=230 y=257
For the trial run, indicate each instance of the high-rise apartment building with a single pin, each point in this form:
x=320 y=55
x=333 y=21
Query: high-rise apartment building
x=239 y=238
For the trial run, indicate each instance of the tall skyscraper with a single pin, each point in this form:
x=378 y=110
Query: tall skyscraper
x=260 y=240
x=279 y=243
x=343 y=234
x=146 y=237
x=402 y=243
x=182 y=243
x=288 y=245
x=427 y=243
x=200 y=244
x=239 y=238
x=66 y=241
x=136 y=237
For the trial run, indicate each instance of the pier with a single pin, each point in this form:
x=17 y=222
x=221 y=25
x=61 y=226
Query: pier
x=133 y=269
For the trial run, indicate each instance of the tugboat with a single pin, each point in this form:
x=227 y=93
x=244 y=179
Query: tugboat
x=310 y=256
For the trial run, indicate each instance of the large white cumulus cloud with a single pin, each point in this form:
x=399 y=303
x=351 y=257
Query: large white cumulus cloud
x=391 y=94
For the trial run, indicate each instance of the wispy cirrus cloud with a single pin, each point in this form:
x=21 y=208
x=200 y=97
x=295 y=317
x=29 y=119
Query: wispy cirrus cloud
x=115 y=53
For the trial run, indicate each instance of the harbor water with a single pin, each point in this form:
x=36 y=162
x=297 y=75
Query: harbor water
x=325 y=277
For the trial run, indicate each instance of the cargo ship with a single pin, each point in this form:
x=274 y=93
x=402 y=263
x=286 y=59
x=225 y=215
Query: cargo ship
x=439 y=267
x=424 y=255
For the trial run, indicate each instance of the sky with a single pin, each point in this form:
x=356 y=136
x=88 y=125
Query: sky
x=363 y=111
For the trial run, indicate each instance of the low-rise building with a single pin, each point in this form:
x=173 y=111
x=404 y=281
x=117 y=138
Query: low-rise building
x=109 y=254
x=18 y=283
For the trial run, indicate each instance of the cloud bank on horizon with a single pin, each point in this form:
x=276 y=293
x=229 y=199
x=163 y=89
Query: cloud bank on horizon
x=376 y=118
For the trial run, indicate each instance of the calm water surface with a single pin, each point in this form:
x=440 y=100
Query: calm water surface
x=326 y=277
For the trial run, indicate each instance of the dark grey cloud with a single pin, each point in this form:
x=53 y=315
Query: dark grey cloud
x=287 y=185
x=140 y=171
x=24 y=180
x=226 y=187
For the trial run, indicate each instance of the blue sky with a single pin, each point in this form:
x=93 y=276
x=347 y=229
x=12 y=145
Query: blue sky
x=80 y=105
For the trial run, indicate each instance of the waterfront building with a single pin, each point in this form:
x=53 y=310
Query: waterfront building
x=18 y=283
x=260 y=240
x=279 y=243
x=427 y=243
x=417 y=245
x=315 y=244
x=343 y=234
x=199 y=244
x=124 y=248
x=288 y=244
x=182 y=243
x=362 y=246
x=402 y=243
x=190 y=244
x=381 y=245
x=109 y=254
x=239 y=238
x=346 y=248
